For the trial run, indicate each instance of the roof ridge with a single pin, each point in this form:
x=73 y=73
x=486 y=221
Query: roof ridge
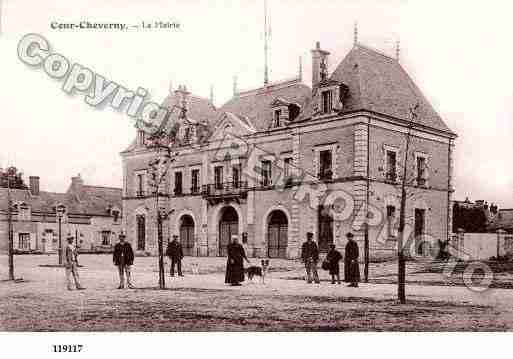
x=376 y=51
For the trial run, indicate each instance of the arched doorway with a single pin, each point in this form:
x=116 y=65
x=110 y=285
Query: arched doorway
x=228 y=226
x=187 y=235
x=325 y=229
x=277 y=230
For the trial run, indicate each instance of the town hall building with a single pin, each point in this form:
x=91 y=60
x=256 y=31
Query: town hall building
x=276 y=162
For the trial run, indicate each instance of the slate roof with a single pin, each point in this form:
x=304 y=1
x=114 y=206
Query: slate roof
x=379 y=83
x=256 y=105
x=91 y=201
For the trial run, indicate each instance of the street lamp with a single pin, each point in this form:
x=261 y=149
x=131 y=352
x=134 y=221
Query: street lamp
x=60 y=210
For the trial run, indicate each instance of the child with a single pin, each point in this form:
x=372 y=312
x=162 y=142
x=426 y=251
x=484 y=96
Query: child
x=333 y=257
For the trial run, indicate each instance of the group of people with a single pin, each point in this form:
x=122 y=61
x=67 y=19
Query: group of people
x=123 y=258
x=310 y=257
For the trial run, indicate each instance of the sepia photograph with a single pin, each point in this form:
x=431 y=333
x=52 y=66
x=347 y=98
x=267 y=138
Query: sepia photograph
x=254 y=166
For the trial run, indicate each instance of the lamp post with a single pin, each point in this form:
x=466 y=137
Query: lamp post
x=60 y=209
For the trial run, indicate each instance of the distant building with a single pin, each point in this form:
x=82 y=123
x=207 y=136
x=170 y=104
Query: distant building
x=503 y=220
x=473 y=217
x=92 y=215
x=346 y=132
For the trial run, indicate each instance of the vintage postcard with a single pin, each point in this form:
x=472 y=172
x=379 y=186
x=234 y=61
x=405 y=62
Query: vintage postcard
x=255 y=166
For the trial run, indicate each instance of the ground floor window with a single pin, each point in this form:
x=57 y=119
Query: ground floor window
x=105 y=238
x=141 y=232
x=24 y=241
x=325 y=228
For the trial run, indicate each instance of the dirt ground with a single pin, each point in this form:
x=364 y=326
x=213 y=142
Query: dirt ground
x=203 y=303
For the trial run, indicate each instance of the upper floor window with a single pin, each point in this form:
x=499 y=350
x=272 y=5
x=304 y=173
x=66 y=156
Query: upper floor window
x=277 y=118
x=178 y=183
x=391 y=169
x=421 y=170
x=140 y=184
x=266 y=173
x=218 y=177
x=287 y=167
x=326 y=101
x=115 y=215
x=195 y=180
x=325 y=164
x=236 y=175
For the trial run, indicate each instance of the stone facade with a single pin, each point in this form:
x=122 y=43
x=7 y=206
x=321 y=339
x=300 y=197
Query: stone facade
x=325 y=169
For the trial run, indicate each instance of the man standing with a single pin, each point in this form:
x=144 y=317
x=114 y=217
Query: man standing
x=310 y=257
x=175 y=253
x=123 y=258
x=351 y=266
x=71 y=264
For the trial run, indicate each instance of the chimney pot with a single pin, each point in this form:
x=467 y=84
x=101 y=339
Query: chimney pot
x=34 y=185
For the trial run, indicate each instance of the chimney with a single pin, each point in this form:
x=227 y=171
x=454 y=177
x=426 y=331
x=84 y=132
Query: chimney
x=76 y=183
x=319 y=64
x=34 y=185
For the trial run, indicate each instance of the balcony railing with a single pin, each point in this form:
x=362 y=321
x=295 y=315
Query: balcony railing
x=139 y=193
x=391 y=176
x=325 y=175
x=226 y=189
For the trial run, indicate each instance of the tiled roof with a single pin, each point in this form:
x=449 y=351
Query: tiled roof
x=379 y=83
x=256 y=105
x=91 y=200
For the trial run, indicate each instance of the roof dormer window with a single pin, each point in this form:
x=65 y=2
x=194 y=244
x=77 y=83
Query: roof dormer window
x=277 y=118
x=327 y=103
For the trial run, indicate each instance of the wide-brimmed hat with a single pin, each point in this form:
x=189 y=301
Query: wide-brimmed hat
x=309 y=234
x=349 y=235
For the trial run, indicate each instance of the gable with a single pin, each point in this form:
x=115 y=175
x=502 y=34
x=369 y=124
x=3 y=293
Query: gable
x=233 y=125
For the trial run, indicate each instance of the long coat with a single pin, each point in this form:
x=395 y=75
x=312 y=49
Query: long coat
x=123 y=254
x=351 y=266
x=174 y=250
x=235 y=264
x=333 y=257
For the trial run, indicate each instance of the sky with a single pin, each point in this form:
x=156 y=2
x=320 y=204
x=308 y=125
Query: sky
x=459 y=53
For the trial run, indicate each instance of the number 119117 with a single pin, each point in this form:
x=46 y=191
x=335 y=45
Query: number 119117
x=67 y=348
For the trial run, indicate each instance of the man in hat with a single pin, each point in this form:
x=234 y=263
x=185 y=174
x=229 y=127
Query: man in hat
x=351 y=266
x=71 y=265
x=123 y=258
x=175 y=253
x=310 y=257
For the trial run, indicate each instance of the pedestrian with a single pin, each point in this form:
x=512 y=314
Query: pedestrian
x=310 y=257
x=351 y=266
x=333 y=257
x=235 y=263
x=245 y=243
x=123 y=258
x=71 y=265
x=175 y=253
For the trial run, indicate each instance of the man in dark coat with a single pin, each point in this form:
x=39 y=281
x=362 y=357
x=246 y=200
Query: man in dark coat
x=310 y=257
x=351 y=266
x=235 y=262
x=123 y=258
x=333 y=257
x=175 y=253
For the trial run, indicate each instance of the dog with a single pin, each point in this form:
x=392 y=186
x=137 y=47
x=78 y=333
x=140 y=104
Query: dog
x=258 y=271
x=195 y=268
